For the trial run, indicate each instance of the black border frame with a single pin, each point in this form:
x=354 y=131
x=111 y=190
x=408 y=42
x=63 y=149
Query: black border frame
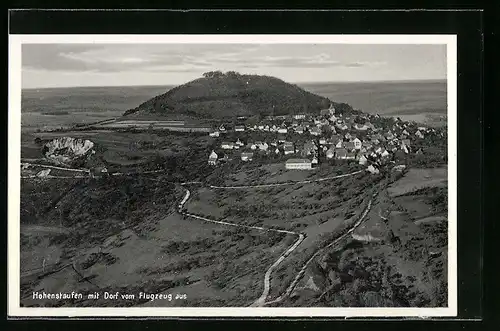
x=468 y=25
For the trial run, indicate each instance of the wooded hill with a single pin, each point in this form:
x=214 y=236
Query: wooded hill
x=222 y=95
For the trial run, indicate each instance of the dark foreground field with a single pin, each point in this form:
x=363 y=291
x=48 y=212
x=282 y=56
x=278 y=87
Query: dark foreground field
x=109 y=235
x=123 y=233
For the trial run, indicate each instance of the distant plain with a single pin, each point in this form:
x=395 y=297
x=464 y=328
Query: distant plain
x=420 y=101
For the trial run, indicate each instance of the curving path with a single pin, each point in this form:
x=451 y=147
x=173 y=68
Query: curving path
x=287 y=183
x=54 y=167
x=300 y=274
x=261 y=301
x=267 y=283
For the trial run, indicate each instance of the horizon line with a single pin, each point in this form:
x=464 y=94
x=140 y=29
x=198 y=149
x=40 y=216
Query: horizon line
x=295 y=83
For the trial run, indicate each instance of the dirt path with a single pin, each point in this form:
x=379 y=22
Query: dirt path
x=287 y=183
x=261 y=301
x=267 y=283
x=54 y=167
x=37 y=229
x=300 y=274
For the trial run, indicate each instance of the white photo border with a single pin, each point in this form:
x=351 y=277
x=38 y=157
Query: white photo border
x=14 y=160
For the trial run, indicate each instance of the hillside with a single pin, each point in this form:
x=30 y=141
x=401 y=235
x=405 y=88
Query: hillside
x=219 y=95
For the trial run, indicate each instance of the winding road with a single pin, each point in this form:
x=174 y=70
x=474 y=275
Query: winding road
x=262 y=300
x=300 y=274
x=286 y=183
x=54 y=167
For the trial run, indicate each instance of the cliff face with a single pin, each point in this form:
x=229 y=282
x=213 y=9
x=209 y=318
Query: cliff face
x=65 y=150
x=220 y=95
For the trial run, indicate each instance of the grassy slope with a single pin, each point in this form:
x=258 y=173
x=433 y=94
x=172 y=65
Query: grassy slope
x=403 y=265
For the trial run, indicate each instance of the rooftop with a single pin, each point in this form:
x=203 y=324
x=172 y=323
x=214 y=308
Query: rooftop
x=298 y=161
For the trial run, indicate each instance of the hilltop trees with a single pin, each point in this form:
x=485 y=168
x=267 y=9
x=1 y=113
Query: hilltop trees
x=214 y=74
x=224 y=95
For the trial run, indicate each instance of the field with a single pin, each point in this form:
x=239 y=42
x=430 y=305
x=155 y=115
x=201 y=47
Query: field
x=397 y=257
x=91 y=104
x=423 y=101
x=320 y=210
x=140 y=244
x=290 y=207
x=123 y=149
x=419 y=178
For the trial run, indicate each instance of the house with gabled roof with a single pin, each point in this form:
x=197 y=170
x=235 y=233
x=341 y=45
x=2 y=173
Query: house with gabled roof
x=288 y=149
x=362 y=159
x=315 y=131
x=341 y=126
x=350 y=156
x=340 y=153
x=372 y=169
x=227 y=145
x=309 y=148
x=360 y=127
x=368 y=145
x=333 y=140
x=299 y=164
x=357 y=143
x=330 y=153
x=212 y=158
x=349 y=145
x=246 y=156
x=281 y=138
x=299 y=129
x=214 y=133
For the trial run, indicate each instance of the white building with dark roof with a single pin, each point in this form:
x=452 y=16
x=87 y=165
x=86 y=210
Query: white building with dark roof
x=300 y=164
x=212 y=158
x=246 y=156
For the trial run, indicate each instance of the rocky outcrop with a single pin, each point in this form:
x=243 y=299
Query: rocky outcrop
x=43 y=173
x=65 y=150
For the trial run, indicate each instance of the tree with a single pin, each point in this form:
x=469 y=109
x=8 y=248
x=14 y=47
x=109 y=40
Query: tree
x=213 y=74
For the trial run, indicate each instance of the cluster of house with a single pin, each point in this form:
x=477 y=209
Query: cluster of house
x=346 y=139
x=315 y=125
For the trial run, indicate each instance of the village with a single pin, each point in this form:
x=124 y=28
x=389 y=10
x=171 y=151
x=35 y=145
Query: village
x=303 y=141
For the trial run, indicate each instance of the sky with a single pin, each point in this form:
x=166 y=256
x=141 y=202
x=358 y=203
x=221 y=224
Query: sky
x=68 y=65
